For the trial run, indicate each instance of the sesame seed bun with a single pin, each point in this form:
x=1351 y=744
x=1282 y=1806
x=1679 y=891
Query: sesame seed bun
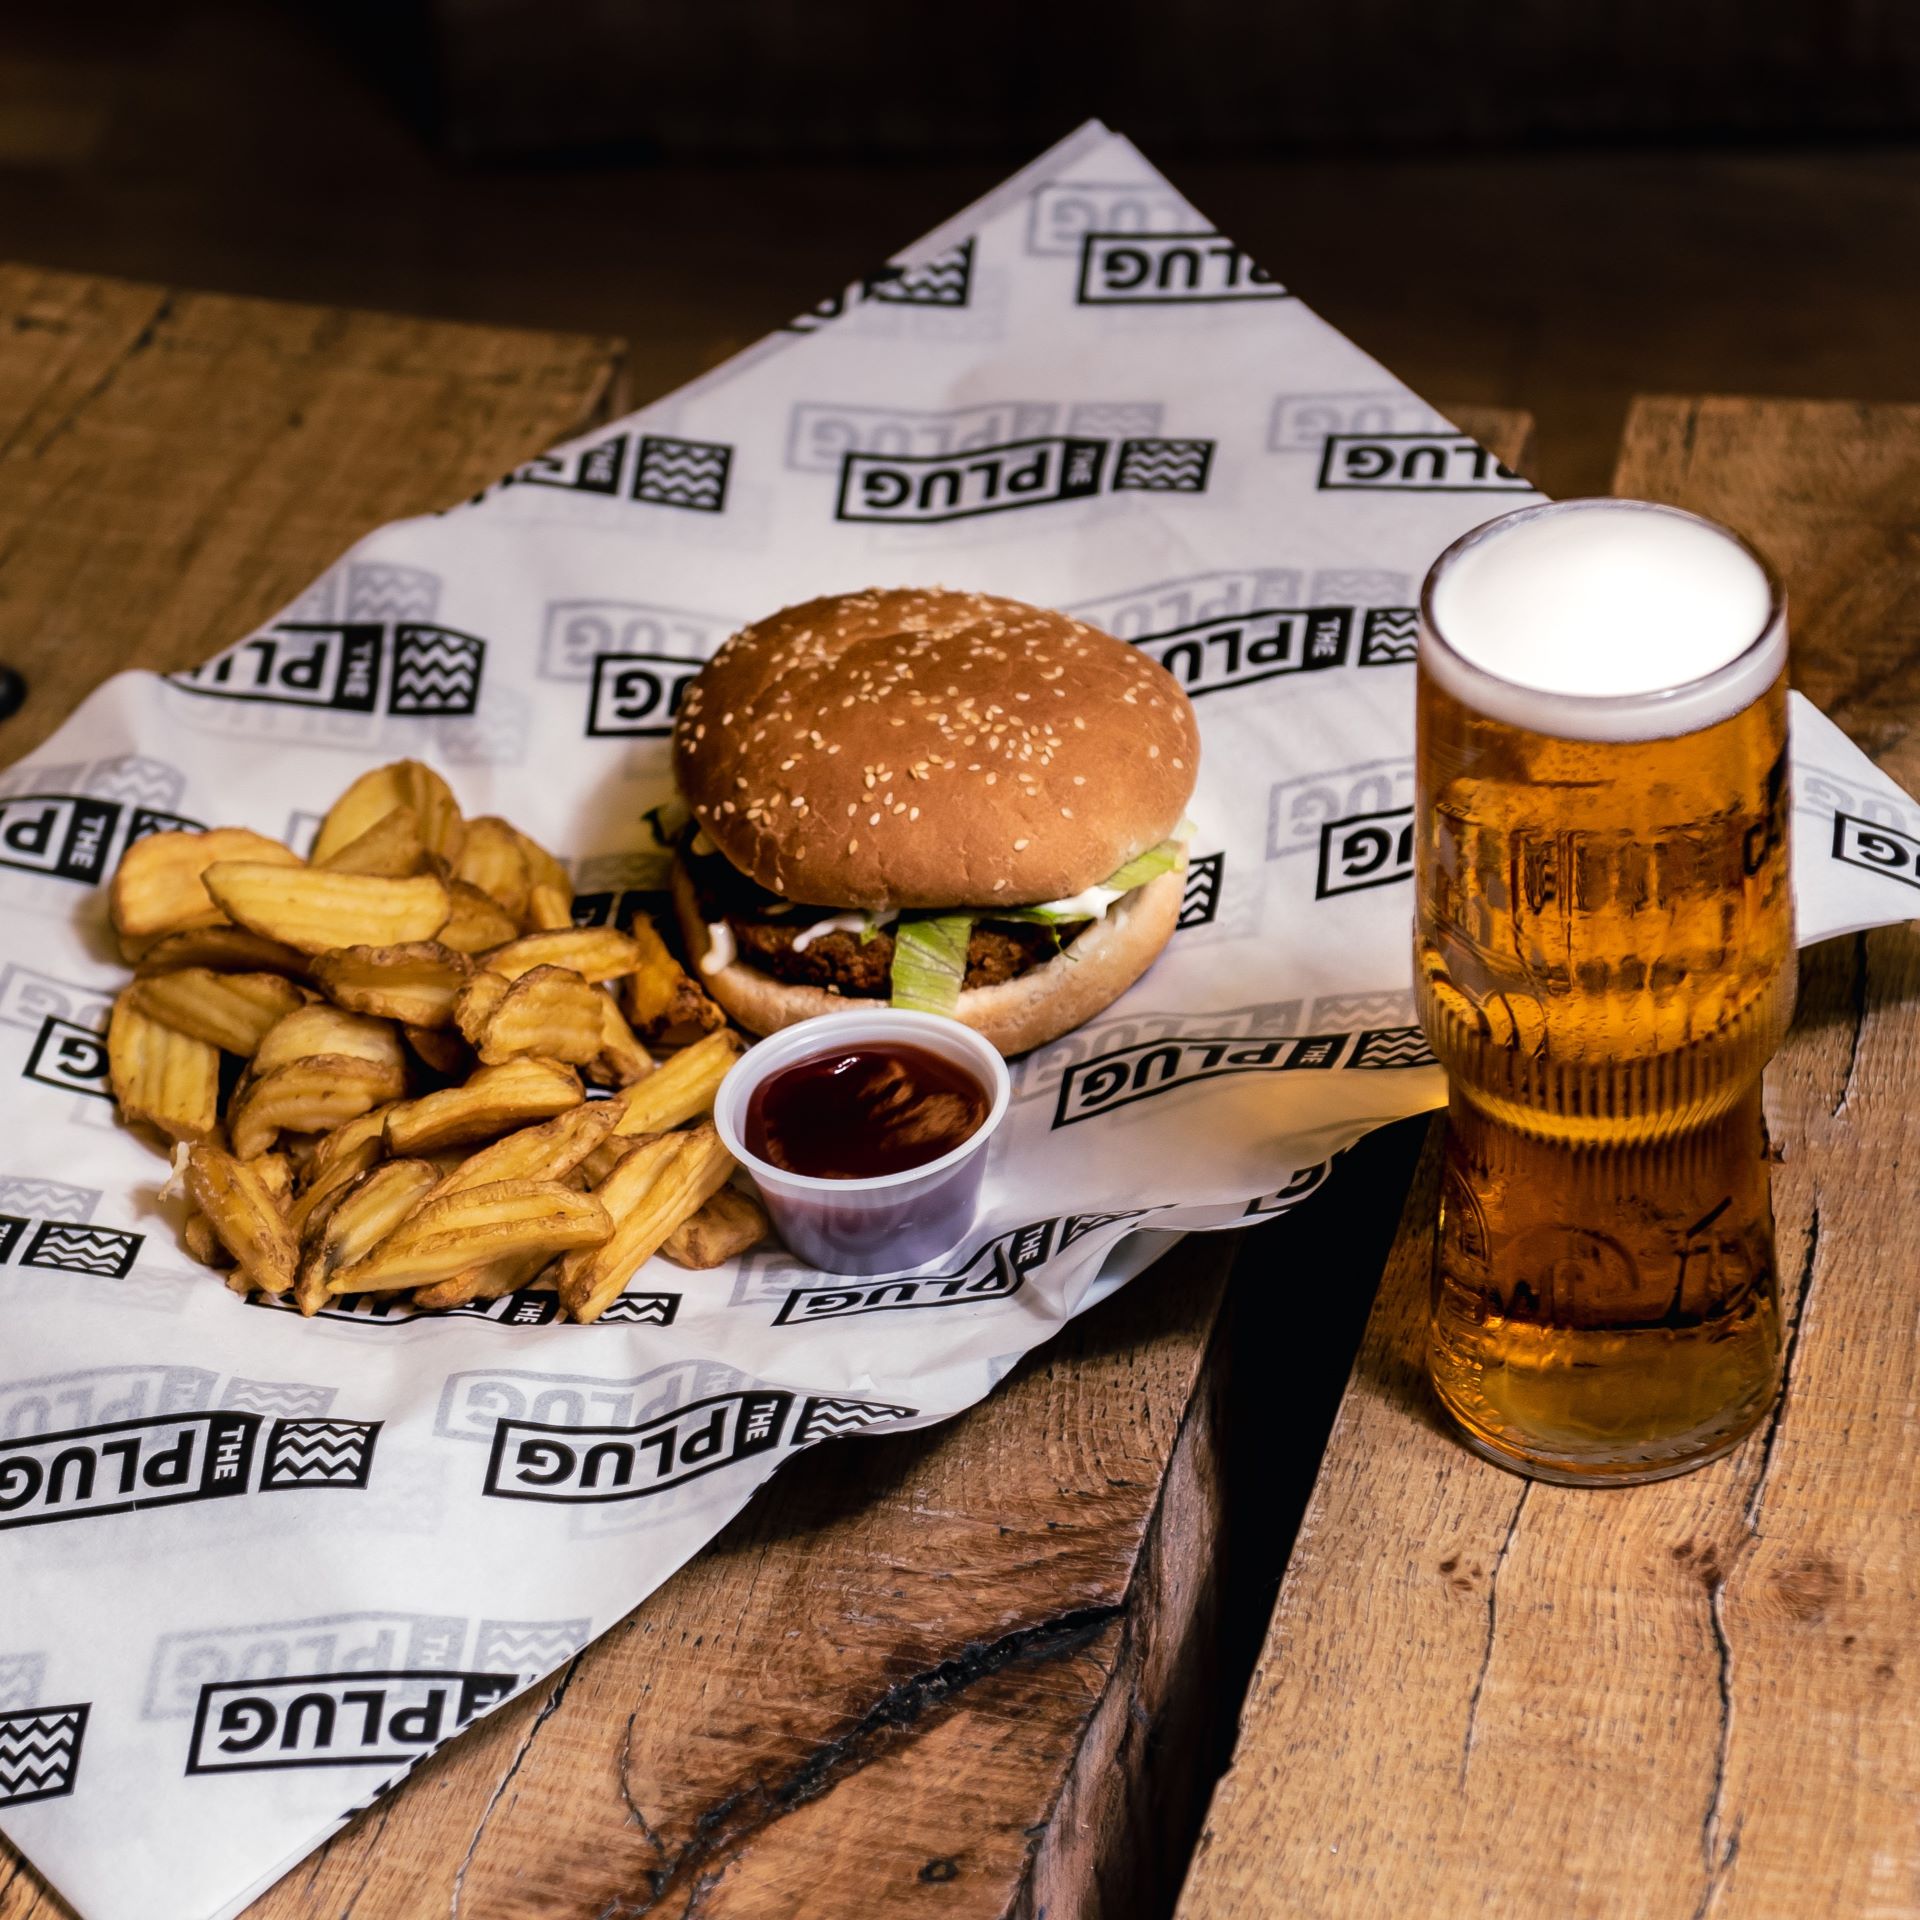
x=911 y=747
x=1014 y=1016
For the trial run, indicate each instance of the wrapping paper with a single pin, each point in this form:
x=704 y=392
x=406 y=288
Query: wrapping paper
x=252 y=1567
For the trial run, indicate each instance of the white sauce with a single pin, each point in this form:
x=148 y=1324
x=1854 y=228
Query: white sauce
x=721 y=951
x=840 y=923
x=1091 y=903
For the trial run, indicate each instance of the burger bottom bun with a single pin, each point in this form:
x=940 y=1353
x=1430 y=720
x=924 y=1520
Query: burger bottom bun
x=1015 y=1015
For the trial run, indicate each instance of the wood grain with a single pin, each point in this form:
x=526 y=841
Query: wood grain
x=175 y=467
x=1693 y=1699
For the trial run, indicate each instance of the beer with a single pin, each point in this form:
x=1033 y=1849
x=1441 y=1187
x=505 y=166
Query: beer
x=1604 y=962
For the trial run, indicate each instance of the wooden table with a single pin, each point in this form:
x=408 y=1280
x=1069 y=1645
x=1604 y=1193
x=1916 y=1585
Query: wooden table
x=1691 y=1701
x=992 y=1666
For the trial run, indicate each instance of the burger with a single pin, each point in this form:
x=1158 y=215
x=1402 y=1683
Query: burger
x=942 y=801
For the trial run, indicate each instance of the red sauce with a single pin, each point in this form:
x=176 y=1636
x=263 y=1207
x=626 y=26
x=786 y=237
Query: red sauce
x=863 y=1111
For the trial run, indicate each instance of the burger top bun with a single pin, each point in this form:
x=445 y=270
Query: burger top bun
x=913 y=747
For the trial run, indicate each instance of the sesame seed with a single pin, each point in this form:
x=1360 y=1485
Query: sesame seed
x=853 y=846
x=873 y=819
x=1066 y=813
x=1020 y=846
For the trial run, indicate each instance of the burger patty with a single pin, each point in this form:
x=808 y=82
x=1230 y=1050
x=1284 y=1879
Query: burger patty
x=844 y=963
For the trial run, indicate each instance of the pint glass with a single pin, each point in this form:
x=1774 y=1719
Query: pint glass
x=1604 y=960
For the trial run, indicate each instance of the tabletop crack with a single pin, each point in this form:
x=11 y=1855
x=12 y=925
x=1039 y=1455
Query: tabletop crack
x=735 y=1818
x=548 y=1708
x=1486 y=1655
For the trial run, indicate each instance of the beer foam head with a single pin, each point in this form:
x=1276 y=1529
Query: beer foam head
x=1603 y=619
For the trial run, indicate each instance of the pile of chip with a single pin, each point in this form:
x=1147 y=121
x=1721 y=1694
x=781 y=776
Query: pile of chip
x=398 y=1065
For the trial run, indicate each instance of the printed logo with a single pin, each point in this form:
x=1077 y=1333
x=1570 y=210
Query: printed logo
x=74 y=1059
x=1390 y=1008
x=1162 y=269
x=188 y=1660
x=946 y=280
x=657 y=469
x=69 y=836
x=1389 y=636
x=336 y=1719
x=1367 y=850
x=1282 y=1199
x=404 y=669
x=1299 y=808
x=52 y=1199
x=40 y=1752
x=637 y=693
x=578 y=632
x=166 y=1460
x=107 y=1252
x=526 y=1308
x=897 y=489
x=532 y=1461
x=1076 y=1226
x=1061 y=215
x=996 y=1272
x=1118 y=1079
x=27 y=998
x=1301 y=422
x=820 y=436
x=825 y=1418
x=1413 y=463
x=1392 y=1047
x=1877 y=848
x=1200 y=901
x=473 y=1404
x=1243 y=648
x=319 y=1453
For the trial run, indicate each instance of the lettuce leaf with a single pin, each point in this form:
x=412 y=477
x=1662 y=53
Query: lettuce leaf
x=1147 y=866
x=1136 y=873
x=930 y=962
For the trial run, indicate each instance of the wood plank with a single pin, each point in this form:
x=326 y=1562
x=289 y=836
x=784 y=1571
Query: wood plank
x=175 y=467
x=980 y=1660
x=1690 y=1699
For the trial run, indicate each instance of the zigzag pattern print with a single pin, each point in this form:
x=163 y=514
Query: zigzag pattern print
x=435 y=671
x=1393 y=1047
x=1105 y=418
x=529 y=1647
x=943 y=281
x=1390 y=635
x=823 y=1417
x=130 y=776
x=1200 y=899
x=1331 y=1011
x=319 y=1453
x=376 y=591
x=643 y=1309
x=277 y=1396
x=39 y=1752
x=1163 y=466
x=104 y=1251
x=683 y=473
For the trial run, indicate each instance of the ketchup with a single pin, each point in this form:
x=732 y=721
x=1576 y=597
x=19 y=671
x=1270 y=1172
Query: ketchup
x=863 y=1111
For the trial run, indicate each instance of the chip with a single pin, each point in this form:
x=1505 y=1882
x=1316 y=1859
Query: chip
x=160 y=1076
x=314 y=910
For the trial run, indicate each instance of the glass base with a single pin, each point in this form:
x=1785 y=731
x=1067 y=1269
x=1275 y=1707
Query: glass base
x=1602 y=1471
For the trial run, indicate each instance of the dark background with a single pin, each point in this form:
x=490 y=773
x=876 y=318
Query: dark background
x=1549 y=204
